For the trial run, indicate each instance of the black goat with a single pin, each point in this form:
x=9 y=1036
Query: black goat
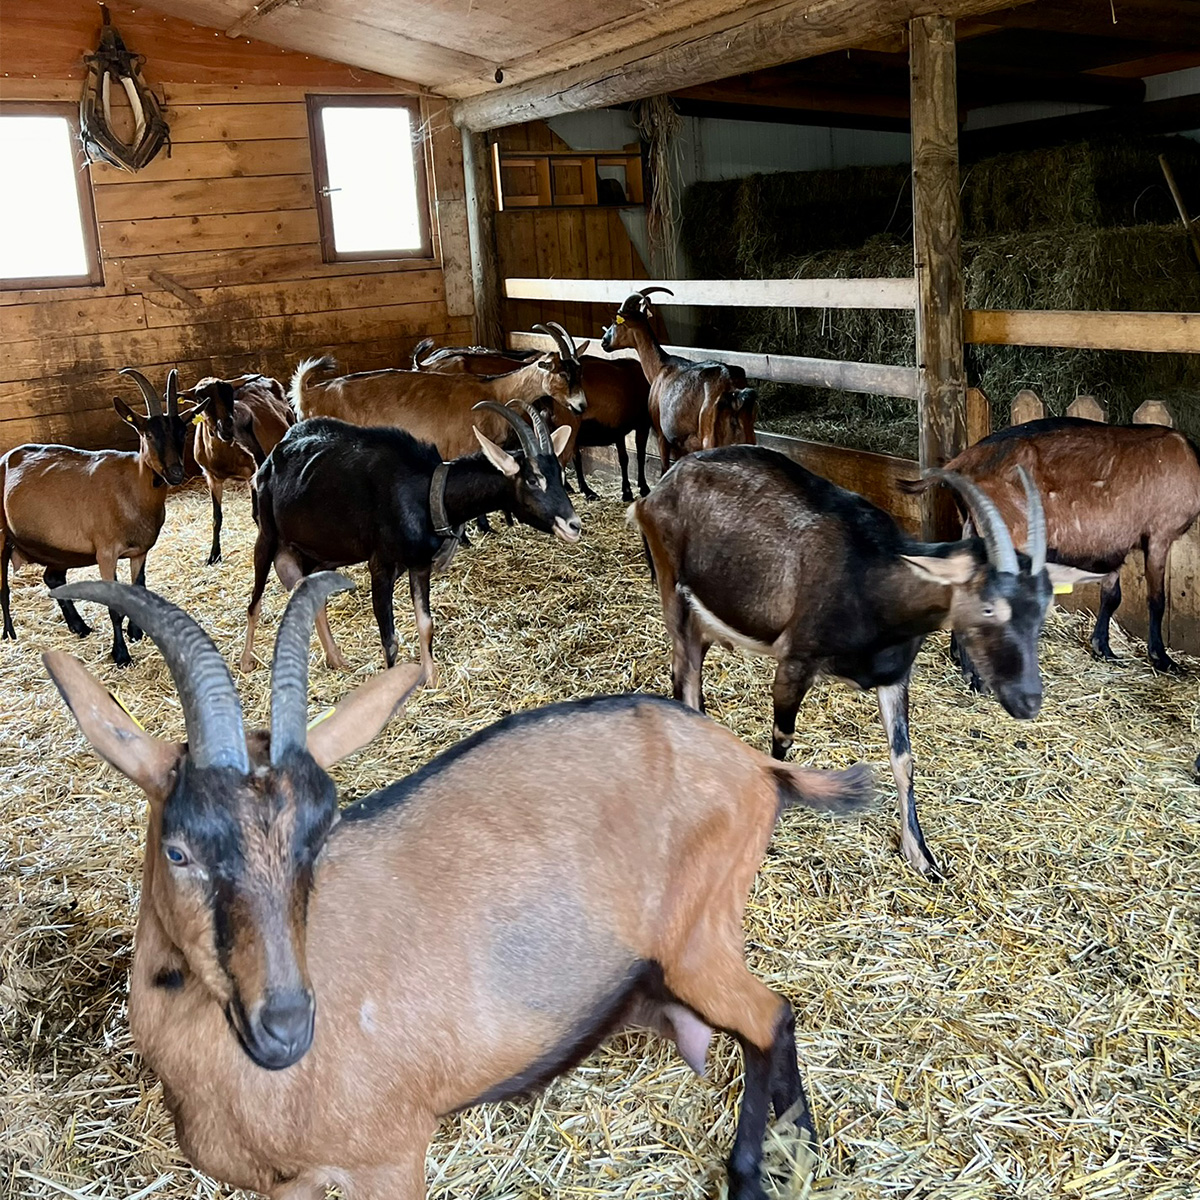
x=751 y=550
x=331 y=494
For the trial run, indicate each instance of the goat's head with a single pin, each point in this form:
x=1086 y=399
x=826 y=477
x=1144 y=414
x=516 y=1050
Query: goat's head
x=162 y=434
x=635 y=311
x=236 y=821
x=729 y=421
x=215 y=402
x=999 y=598
x=562 y=372
x=541 y=498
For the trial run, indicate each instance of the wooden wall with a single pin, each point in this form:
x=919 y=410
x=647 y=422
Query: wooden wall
x=564 y=243
x=212 y=261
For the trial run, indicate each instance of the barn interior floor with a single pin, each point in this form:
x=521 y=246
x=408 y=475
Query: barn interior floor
x=1029 y=1028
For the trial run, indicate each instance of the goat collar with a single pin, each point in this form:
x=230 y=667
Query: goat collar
x=437 y=503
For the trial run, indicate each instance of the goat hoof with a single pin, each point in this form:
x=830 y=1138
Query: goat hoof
x=9 y=635
x=81 y=630
x=214 y=557
x=122 y=660
x=134 y=633
x=1103 y=650
x=1168 y=666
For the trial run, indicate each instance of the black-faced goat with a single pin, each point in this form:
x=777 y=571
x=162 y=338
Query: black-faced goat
x=1107 y=489
x=749 y=549
x=241 y=422
x=459 y=937
x=693 y=405
x=64 y=508
x=331 y=494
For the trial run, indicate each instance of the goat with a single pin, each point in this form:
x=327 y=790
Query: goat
x=64 y=508
x=751 y=550
x=436 y=408
x=331 y=494
x=1108 y=489
x=457 y=938
x=693 y=405
x=616 y=392
x=240 y=421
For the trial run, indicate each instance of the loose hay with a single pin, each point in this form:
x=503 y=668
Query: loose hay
x=1029 y=1029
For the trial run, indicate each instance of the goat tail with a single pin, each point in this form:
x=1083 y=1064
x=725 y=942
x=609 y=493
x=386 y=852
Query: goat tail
x=837 y=792
x=300 y=379
x=915 y=487
x=419 y=350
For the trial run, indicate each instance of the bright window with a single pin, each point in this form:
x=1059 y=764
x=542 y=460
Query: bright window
x=369 y=162
x=47 y=224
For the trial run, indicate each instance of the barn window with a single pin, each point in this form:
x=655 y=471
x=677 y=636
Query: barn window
x=372 y=190
x=47 y=221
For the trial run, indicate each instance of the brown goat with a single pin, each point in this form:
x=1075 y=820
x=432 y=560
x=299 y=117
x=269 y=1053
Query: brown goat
x=693 y=405
x=1107 y=489
x=436 y=408
x=65 y=508
x=460 y=937
x=240 y=421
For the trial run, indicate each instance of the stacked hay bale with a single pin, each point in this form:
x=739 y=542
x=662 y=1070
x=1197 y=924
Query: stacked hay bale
x=1085 y=226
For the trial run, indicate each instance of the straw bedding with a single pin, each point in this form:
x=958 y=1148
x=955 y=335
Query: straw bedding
x=1029 y=1029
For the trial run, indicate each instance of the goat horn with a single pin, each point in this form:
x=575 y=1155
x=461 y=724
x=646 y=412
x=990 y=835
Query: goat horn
x=646 y=293
x=173 y=393
x=212 y=711
x=1035 y=521
x=574 y=353
x=563 y=348
x=539 y=427
x=289 y=666
x=525 y=435
x=153 y=401
x=988 y=521
x=632 y=305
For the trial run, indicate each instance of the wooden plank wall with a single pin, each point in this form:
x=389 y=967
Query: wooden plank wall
x=212 y=260
x=564 y=243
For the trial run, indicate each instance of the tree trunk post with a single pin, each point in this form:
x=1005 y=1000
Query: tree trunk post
x=481 y=225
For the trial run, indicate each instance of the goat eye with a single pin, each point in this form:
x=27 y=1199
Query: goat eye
x=987 y=611
x=176 y=857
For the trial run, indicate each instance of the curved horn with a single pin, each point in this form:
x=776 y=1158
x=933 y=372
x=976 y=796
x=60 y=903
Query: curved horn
x=539 y=427
x=571 y=349
x=646 y=293
x=289 y=666
x=153 y=402
x=553 y=332
x=1035 y=521
x=173 y=393
x=525 y=435
x=212 y=712
x=988 y=521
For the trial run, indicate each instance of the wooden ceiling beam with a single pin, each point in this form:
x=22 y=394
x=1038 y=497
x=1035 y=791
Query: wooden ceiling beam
x=1168 y=21
x=764 y=35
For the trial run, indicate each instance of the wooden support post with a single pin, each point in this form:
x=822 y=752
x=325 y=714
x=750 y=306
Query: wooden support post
x=481 y=225
x=937 y=229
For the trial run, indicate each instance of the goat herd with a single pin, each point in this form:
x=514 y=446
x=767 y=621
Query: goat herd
x=474 y=929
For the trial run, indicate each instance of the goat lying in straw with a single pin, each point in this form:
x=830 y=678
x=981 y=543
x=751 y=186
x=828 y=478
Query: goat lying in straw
x=459 y=937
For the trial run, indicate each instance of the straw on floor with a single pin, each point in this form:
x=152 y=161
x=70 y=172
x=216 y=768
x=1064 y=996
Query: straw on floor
x=1029 y=1029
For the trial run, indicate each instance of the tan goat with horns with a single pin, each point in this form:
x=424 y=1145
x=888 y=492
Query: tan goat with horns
x=315 y=992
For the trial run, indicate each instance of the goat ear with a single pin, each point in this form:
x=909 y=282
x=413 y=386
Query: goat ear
x=581 y=349
x=500 y=459
x=955 y=568
x=112 y=732
x=127 y=414
x=559 y=439
x=1065 y=578
x=360 y=716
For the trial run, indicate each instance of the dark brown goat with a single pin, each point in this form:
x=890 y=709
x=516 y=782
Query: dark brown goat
x=693 y=405
x=617 y=400
x=1108 y=489
x=65 y=508
x=316 y=992
x=241 y=422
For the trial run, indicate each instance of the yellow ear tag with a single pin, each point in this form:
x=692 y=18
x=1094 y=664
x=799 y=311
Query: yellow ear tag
x=197 y=418
x=319 y=718
x=620 y=319
x=1063 y=589
x=125 y=709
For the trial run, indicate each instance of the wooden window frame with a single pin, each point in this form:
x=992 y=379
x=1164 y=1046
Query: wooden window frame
x=426 y=252
x=83 y=188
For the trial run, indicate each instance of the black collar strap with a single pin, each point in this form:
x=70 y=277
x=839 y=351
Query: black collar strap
x=437 y=503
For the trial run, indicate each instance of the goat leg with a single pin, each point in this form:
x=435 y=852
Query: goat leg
x=893 y=712
x=623 y=460
x=1110 y=600
x=383 y=583
x=641 y=437
x=107 y=562
x=787 y=1091
x=216 y=489
x=793 y=678
x=10 y=634
x=583 y=484
x=1156 y=575
x=972 y=677
x=137 y=572
x=418 y=584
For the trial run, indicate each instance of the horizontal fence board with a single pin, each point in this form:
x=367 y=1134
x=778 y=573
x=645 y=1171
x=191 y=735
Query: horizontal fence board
x=743 y=293
x=47 y=318
x=1173 y=333
x=227 y=231
x=216 y=160
x=12 y=88
x=194 y=197
x=876 y=379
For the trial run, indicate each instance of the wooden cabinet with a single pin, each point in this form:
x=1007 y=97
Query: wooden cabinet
x=567 y=178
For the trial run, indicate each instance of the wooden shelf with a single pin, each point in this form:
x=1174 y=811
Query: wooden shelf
x=563 y=178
